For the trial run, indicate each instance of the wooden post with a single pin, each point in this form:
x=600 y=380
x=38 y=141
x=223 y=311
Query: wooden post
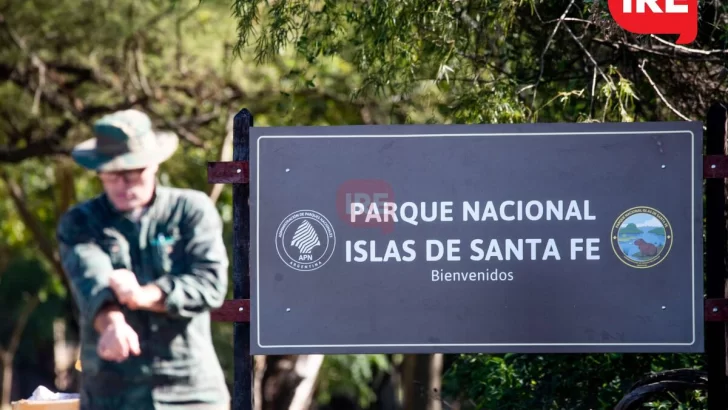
x=243 y=370
x=715 y=260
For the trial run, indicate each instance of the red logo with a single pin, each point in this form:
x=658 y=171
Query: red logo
x=355 y=197
x=658 y=17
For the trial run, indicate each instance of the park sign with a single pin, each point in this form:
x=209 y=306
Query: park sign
x=541 y=238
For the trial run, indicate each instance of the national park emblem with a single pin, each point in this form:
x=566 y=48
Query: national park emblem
x=641 y=237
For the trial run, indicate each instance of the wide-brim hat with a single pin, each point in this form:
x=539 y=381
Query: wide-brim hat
x=125 y=140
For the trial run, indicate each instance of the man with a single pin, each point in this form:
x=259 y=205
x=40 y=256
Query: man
x=146 y=264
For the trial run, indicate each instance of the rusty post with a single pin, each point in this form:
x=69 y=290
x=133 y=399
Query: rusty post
x=715 y=261
x=243 y=366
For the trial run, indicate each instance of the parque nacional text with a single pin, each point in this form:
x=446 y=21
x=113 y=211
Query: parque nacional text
x=477 y=249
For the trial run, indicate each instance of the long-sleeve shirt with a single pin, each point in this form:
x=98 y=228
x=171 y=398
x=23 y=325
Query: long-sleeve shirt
x=176 y=244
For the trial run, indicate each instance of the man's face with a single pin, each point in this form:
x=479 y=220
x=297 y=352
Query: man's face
x=130 y=189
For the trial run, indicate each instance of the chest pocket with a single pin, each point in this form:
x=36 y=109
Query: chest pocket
x=117 y=247
x=165 y=250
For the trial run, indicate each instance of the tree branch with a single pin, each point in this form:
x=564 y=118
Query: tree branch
x=543 y=53
x=658 y=52
x=93 y=110
x=34 y=149
x=41 y=238
x=659 y=94
x=181 y=127
x=20 y=324
x=49 y=145
x=609 y=81
x=688 y=50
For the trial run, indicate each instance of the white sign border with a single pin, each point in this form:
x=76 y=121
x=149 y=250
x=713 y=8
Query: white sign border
x=399 y=345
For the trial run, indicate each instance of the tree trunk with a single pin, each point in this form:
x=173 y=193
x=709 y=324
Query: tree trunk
x=226 y=154
x=66 y=185
x=421 y=381
x=435 y=381
x=387 y=387
x=8 y=355
x=259 y=364
x=288 y=382
x=65 y=353
x=307 y=367
x=7 y=362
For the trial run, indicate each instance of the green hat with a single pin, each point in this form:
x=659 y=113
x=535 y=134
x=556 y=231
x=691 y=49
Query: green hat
x=125 y=140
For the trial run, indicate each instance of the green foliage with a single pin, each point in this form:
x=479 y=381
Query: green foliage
x=350 y=375
x=409 y=50
x=560 y=381
x=496 y=60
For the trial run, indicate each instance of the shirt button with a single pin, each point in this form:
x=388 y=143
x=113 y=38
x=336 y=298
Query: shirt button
x=154 y=328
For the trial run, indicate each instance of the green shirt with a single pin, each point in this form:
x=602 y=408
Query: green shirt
x=176 y=244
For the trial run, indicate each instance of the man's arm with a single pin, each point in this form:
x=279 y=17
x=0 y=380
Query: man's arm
x=88 y=269
x=107 y=316
x=203 y=285
x=152 y=298
x=128 y=292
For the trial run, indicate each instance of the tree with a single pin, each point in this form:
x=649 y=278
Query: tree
x=502 y=60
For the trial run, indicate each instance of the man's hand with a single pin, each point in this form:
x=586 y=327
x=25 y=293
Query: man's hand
x=125 y=286
x=117 y=342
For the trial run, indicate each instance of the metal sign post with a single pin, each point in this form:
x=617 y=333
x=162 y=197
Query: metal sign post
x=236 y=172
x=243 y=388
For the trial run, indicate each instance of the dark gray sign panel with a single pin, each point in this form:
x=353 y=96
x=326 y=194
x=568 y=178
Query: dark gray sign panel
x=477 y=238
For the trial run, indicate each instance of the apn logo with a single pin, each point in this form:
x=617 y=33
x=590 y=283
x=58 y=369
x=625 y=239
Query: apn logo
x=658 y=17
x=305 y=240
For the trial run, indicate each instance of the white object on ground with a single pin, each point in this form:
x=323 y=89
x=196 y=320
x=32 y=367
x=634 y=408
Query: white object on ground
x=42 y=393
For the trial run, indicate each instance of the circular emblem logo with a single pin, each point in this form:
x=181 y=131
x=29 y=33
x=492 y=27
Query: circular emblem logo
x=305 y=240
x=641 y=237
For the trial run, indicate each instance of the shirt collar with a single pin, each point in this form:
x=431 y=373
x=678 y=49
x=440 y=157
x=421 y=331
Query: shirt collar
x=112 y=210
